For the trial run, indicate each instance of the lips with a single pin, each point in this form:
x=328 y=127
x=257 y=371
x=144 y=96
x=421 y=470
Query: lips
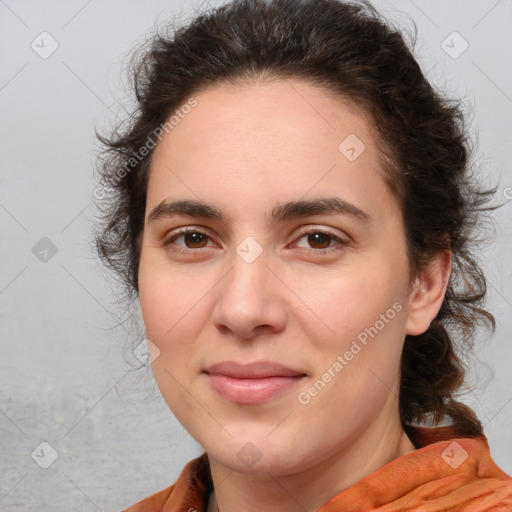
x=256 y=370
x=252 y=383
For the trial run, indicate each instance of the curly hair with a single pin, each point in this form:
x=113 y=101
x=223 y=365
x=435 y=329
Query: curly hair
x=350 y=50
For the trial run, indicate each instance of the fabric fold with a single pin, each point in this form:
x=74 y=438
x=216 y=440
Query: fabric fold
x=446 y=474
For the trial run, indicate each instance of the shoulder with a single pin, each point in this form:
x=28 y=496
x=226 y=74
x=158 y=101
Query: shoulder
x=153 y=503
x=445 y=473
x=190 y=491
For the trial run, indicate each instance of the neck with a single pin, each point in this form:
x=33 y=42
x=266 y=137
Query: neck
x=307 y=490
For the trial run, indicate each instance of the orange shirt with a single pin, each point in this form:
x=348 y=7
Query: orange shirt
x=451 y=475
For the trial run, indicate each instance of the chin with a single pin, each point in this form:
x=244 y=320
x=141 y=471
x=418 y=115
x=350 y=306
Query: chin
x=257 y=457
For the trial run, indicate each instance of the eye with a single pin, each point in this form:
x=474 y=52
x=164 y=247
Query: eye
x=189 y=239
x=320 y=241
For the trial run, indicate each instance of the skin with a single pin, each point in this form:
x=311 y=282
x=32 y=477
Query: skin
x=245 y=149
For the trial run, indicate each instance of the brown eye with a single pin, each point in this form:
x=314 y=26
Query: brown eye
x=194 y=240
x=189 y=239
x=319 y=240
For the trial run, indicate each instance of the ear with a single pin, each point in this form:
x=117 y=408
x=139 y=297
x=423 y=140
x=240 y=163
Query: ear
x=428 y=294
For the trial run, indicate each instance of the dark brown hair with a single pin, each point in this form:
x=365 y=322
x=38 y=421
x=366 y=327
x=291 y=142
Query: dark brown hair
x=347 y=49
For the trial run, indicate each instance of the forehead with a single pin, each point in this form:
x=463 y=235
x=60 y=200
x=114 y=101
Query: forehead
x=281 y=138
x=279 y=115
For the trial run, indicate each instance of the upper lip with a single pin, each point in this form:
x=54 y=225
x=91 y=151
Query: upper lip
x=255 y=370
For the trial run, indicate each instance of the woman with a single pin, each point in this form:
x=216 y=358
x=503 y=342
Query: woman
x=292 y=206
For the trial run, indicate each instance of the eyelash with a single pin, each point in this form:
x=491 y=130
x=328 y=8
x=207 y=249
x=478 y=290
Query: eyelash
x=188 y=230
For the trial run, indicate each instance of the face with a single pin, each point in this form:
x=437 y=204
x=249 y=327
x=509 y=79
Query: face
x=279 y=315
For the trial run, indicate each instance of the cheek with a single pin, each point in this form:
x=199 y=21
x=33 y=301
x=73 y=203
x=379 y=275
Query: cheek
x=155 y=300
x=346 y=303
x=168 y=300
x=168 y=303
x=363 y=343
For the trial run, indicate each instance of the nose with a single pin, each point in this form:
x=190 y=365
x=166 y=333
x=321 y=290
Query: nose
x=250 y=300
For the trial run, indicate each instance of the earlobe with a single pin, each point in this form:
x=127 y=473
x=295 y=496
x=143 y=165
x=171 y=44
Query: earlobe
x=428 y=294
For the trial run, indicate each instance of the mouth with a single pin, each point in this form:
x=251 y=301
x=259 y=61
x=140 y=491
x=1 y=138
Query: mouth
x=252 y=383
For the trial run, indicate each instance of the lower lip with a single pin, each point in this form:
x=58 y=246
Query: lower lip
x=251 y=391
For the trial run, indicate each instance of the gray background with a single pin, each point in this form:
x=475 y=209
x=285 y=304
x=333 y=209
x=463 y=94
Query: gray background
x=66 y=372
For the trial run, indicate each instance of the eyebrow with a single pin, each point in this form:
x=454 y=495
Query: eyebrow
x=280 y=213
x=326 y=206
